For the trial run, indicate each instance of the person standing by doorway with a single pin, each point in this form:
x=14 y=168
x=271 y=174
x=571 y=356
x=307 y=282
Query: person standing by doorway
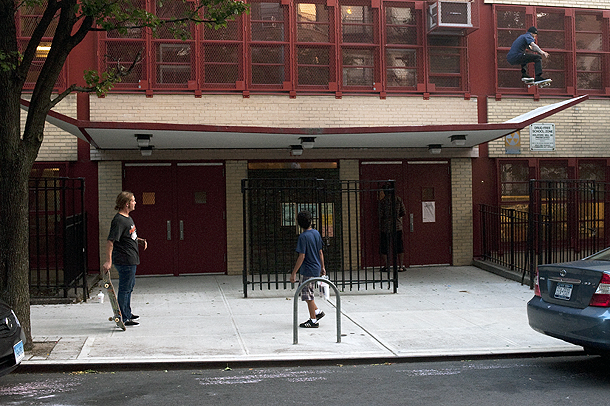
x=122 y=251
x=518 y=55
x=391 y=234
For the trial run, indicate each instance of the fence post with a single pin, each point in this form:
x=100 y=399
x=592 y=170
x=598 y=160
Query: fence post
x=295 y=322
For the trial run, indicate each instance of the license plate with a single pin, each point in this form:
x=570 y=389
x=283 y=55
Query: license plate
x=563 y=291
x=18 y=351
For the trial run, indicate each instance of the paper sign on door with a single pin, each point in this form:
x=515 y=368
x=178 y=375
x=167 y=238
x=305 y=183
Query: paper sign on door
x=428 y=210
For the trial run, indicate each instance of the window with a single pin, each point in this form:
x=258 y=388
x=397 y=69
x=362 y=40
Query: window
x=315 y=50
x=578 y=59
x=359 y=55
x=222 y=59
x=552 y=38
x=309 y=46
x=447 y=61
x=590 y=51
x=403 y=50
x=27 y=18
x=173 y=57
x=514 y=184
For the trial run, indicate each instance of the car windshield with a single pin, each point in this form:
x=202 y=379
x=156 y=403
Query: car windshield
x=601 y=256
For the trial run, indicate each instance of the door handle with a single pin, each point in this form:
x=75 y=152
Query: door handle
x=411 y=222
x=169 y=230
x=181 y=230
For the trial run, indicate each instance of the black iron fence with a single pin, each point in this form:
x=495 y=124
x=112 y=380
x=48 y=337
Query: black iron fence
x=564 y=221
x=58 y=237
x=347 y=215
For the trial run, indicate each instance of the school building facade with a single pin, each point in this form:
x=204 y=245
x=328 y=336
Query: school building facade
x=195 y=118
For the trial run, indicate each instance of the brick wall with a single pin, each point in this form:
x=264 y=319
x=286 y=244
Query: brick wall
x=235 y=172
x=461 y=210
x=580 y=131
x=350 y=170
x=57 y=145
x=281 y=111
x=596 y=4
x=110 y=184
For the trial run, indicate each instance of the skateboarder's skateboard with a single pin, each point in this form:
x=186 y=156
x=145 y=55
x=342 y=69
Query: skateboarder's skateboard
x=541 y=83
x=117 y=318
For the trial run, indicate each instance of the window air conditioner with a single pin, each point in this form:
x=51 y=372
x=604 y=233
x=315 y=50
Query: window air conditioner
x=449 y=14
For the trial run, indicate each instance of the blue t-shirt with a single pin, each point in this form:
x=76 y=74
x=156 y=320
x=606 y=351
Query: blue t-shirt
x=310 y=244
x=519 y=46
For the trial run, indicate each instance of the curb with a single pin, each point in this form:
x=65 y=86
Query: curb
x=71 y=366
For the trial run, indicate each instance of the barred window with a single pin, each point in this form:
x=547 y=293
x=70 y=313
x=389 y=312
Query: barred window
x=403 y=50
x=26 y=21
x=308 y=46
x=574 y=38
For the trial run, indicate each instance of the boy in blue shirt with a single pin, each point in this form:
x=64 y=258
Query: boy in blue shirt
x=310 y=264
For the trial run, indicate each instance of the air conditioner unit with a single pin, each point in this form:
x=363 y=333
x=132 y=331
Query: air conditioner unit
x=450 y=16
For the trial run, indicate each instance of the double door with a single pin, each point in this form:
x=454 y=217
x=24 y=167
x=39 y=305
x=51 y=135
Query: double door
x=425 y=187
x=180 y=210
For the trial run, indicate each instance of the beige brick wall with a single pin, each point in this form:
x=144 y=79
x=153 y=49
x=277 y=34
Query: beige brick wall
x=580 y=131
x=350 y=170
x=597 y=4
x=281 y=111
x=110 y=184
x=461 y=209
x=235 y=172
x=57 y=145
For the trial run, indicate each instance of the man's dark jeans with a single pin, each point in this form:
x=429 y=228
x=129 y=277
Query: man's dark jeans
x=526 y=58
x=127 y=280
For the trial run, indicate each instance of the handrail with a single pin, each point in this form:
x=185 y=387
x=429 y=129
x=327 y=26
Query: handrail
x=295 y=331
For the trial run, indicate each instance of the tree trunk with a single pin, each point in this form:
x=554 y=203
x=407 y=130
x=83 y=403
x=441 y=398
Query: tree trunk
x=14 y=243
x=17 y=157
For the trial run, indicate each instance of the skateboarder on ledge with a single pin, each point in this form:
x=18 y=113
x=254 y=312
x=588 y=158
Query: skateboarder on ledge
x=518 y=56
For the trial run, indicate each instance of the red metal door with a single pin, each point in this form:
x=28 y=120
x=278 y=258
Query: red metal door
x=202 y=241
x=378 y=171
x=180 y=211
x=427 y=228
x=152 y=184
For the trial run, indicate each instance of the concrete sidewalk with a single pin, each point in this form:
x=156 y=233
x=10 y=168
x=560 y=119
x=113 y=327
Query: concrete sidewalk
x=438 y=311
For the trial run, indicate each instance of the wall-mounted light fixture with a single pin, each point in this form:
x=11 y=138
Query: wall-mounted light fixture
x=307 y=142
x=458 y=140
x=143 y=140
x=434 y=148
x=296 y=150
x=146 y=151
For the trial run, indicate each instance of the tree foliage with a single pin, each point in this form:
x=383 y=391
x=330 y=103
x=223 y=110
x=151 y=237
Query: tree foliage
x=68 y=22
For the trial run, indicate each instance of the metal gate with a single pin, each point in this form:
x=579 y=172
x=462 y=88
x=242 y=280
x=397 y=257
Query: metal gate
x=58 y=237
x=565 y=221
x=346 y=213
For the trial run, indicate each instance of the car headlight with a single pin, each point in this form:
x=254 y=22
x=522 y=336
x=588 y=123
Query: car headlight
x=16 y=319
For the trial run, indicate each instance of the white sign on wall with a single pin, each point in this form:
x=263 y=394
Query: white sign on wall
x=542 y=137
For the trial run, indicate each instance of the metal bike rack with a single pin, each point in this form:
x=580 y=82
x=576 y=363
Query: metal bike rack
x=295 y=327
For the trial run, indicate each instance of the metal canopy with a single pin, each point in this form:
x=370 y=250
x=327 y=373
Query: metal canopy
x=167 y=136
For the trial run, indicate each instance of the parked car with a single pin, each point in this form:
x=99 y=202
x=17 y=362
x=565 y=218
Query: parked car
x=572 y=302
x=12 y=340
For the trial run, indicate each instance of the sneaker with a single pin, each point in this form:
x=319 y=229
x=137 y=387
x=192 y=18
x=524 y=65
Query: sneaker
x=527 y=79
x=309 y=324
x=320 y=315
x=131 y=322
x=134 y=316
x=540 y=79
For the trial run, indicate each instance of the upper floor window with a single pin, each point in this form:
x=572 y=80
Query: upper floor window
x=26 y=21
x=309 y=45
x=578 y=61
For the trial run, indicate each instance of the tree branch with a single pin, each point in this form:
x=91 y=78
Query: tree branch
x=108 y=81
